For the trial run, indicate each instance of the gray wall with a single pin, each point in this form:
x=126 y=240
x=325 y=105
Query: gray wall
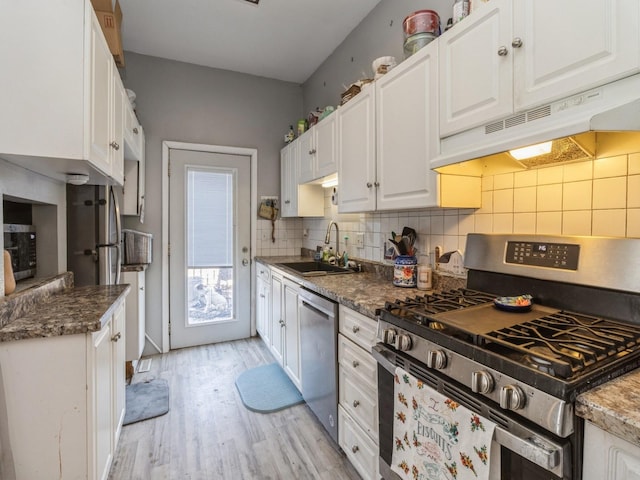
x=188 y=103
x=379 y=34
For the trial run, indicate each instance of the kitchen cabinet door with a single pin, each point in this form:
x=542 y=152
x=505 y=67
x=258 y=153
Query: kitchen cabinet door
x=288 y=181
x=476 y=69
x=306 y=156
x=135 y=315
x=101 y=397
x=608 y=457
x=356 y=153
x=277 y=318
x=119 y=349
x=117 y=128
x=567 y=48
x=291 y=332
x=407 y=133
x=325 y=150
x=263 y=302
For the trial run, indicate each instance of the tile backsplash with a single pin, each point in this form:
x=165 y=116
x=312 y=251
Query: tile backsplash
x=595 y=197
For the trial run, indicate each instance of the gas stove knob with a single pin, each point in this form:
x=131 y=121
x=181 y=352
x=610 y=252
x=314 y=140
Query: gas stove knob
x=481 y=382
x=389 y=336
x=512 y=397
x=436 y=359
x=403 y=343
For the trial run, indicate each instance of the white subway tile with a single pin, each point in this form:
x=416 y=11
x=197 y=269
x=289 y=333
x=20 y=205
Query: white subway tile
x=484 y=223
x=633 y=191
x=574 y=172
x=524 y=199
x=451 y=225
x=437 y=225
x=450 y=243
x=577 y=195
x=526 y=178
x=503 y=201
x=610 y=167
x=486 y=202
x=633 y=223
x=549 y=223
x=503 y=223
x=550 y=175
x=504 y=180
x=524 y=223
x=487 y=183
x=634 y=163
x=576 y=222
x=609 y=193
x=467 y=224
x=611 y=223
x=549 y=197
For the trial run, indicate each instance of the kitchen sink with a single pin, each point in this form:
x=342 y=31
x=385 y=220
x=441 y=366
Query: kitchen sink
x=310 y=269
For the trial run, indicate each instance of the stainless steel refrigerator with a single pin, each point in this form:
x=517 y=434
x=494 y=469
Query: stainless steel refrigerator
x=93 y=235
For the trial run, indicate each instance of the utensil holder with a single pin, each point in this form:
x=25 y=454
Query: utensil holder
x=405 y=271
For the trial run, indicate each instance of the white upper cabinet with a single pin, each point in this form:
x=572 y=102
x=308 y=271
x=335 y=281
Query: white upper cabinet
x=325 y=149
x=297 y=200
x=317 y=150
x=476 y=75
x=509 y=56
x=357 y=153
x=57 y=115
x=407 y=133
x=569 y=46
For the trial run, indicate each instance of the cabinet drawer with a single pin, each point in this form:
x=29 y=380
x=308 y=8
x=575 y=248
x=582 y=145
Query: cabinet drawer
x=361 y=451
x=357 y=362
x=360 y=401
x=263 y=272
x=358 y=328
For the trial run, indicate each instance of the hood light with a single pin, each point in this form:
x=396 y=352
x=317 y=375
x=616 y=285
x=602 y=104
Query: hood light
x=330 y=182
x=531 y=151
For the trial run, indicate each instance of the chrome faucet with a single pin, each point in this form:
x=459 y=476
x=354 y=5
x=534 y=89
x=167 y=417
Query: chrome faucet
x=327 y=238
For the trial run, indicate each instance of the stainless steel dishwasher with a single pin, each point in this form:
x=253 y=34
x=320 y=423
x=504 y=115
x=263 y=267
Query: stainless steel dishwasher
x=318 y=357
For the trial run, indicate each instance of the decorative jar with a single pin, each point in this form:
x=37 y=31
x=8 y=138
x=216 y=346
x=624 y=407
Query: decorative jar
x=405 y=271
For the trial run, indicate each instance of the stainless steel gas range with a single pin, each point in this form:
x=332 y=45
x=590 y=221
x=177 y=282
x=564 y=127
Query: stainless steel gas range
x=521 y=366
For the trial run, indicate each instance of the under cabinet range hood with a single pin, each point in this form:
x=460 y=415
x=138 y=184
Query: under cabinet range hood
x=598 y=123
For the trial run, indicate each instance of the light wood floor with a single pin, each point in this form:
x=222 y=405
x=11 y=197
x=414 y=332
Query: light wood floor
x=209 y=434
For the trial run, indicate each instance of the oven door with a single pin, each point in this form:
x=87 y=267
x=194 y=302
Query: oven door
x=526 y=452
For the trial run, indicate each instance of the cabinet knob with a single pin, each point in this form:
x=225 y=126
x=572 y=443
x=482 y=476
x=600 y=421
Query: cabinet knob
x=281 y=322
x=262 y=295
x=135 y=130
x=376 y=184
x=355 y=448
x=116 y=337
x=115 y=145
x=502 y=51
x=369 y=185
x=356 y=403
x=141 y=288
x=355 y=364
x=516 y=42
x=355 y=329
x=287 y=202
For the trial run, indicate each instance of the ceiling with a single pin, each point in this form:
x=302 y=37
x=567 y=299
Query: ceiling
x=281 y=39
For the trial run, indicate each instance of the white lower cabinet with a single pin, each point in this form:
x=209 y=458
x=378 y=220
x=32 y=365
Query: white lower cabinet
x=64 y=420
x=135 y=314
x=360 y=449
x=284 y=325
x=358 y=392
x=263 y=302
x=608 y=457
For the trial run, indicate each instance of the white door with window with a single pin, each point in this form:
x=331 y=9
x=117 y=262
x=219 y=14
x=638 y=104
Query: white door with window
x=209 y=236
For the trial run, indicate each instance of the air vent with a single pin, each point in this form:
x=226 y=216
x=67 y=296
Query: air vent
x=519 y=119
x=515 y=121
x=539 y=113
x=493 y=127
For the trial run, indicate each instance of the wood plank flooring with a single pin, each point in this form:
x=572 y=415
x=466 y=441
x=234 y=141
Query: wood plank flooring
x=209 y=434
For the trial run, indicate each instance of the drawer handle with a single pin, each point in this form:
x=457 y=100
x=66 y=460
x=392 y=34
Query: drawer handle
x=356 y=403
x=355 y=364
x=355 y=329
x=355 y=449
x=116 y=337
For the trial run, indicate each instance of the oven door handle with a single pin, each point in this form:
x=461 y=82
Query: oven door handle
x=544 y=453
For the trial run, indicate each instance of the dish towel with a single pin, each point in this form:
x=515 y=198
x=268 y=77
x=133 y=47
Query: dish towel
x=435 y=437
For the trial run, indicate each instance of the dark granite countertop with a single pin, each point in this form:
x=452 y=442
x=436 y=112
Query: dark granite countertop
x=363 y=292
x=614 y=407
x=54 y=307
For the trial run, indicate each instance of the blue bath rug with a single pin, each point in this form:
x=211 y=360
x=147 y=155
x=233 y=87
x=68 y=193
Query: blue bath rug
x=267 y=388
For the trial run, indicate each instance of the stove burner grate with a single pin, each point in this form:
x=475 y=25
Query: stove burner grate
x=564 y=344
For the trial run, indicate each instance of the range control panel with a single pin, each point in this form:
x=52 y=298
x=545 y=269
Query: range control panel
x=552 y=255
